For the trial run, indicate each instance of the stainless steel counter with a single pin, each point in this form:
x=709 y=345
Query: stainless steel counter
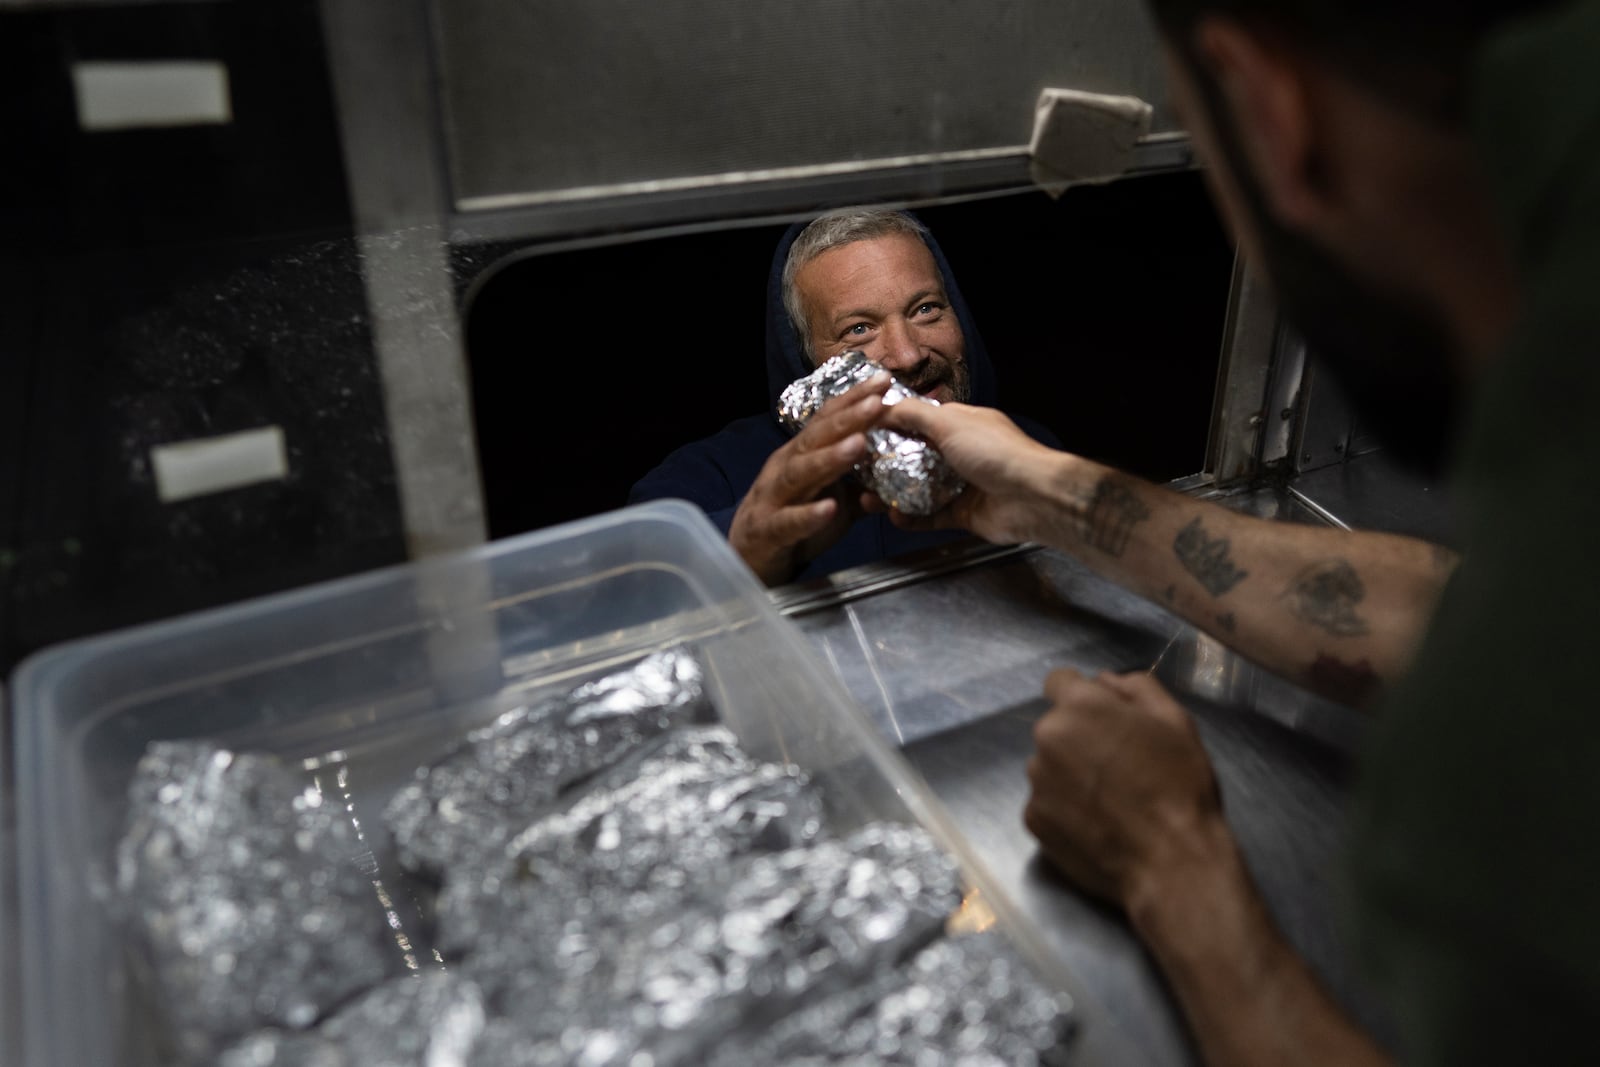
x=949 y=655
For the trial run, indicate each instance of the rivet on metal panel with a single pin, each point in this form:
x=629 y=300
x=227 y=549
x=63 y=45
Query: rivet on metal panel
x=1257 y=419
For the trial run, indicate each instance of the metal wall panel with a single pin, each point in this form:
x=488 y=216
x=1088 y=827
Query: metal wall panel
x=547 y=99
x=171 y=285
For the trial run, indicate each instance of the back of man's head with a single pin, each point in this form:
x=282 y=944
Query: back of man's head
x=1393 y=346
x=1414 y=53
x=830 y=231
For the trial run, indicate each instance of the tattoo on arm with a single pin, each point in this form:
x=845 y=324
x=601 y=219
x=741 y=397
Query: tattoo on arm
x=1207 y=559
x=1113 y=513
x=1227 y=622
x=1326 y=594
x=1349 y=683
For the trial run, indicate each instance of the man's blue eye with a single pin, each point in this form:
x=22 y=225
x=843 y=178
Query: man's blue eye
x=858 y=329
x=928 y=309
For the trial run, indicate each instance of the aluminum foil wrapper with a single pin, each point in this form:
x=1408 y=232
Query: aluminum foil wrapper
x=465 y=807
x=285 y=1048
x=636 y=842
x=431 y=1019
x=906 y=472
x=239 y=884
x=791 y=926
x=968 y=1001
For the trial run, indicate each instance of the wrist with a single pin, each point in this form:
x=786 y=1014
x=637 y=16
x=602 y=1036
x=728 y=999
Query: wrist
x=1195 y=905
x=773 y=568
x=1062 y=484
x=1249 y=999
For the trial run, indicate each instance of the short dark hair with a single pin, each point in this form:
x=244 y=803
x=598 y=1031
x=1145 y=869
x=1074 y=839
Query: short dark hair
x=1416 y=53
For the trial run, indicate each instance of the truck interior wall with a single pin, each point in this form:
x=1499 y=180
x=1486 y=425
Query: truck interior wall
x=173 y=283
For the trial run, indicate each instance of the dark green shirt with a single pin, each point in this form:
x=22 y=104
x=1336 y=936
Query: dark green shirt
x=1475 y=849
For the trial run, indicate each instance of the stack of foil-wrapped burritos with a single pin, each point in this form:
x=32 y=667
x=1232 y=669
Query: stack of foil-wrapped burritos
x=905 y=471
x=614 y=881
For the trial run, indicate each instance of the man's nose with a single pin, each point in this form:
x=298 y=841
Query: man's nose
x=898 y=350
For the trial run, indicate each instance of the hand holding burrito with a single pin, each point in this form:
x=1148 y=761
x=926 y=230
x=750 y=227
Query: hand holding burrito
x=1009 y=477
x=797 y=507
x=903 y=470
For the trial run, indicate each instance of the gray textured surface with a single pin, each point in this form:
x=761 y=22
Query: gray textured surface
x=542 y=96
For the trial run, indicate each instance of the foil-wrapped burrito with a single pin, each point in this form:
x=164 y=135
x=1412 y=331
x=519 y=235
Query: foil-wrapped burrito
x=968 y=1000
x=461 y=810
x=905 y=471
x=239 y=884
x=431 y=1020
x=780 y=930
x=642 y=838
x=619 y=883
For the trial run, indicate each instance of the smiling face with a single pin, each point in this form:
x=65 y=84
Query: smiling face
x=884 y=296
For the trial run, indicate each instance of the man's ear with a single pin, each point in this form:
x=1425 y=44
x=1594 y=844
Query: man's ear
x=1265 y=86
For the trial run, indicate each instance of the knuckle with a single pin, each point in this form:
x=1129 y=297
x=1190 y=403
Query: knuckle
x=1032 y=820
x=1050 y=729
x=1059 y=681
x=1141 y=682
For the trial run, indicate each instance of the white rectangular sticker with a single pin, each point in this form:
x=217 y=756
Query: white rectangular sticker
x=212 y=464
x=134 y=95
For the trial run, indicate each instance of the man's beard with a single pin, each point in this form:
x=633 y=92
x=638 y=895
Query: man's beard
x=1390 y=356
x=940 y=370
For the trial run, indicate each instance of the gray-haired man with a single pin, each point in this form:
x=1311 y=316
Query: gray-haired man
x=867 y=279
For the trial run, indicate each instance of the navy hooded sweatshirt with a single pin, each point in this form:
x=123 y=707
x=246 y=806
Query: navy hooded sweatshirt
x=716 y=472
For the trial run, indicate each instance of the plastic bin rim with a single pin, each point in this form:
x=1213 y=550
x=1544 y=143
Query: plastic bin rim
x=40 y=668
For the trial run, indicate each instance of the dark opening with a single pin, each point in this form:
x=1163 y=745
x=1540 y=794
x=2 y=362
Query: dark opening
x=1103 y=311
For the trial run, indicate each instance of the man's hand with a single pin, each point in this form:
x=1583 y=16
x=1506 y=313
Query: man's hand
x=1124 y=803
x=1004 y=469
x=1123 y=793
x=795 y=510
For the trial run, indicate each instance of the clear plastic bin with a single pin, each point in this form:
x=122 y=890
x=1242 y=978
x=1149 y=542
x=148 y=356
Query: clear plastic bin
x=380 y=673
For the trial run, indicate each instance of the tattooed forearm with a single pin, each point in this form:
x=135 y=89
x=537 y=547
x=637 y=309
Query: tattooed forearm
x=1326 y=594
x=1113 y=513
x=1207 y=559
x=1353 y=684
